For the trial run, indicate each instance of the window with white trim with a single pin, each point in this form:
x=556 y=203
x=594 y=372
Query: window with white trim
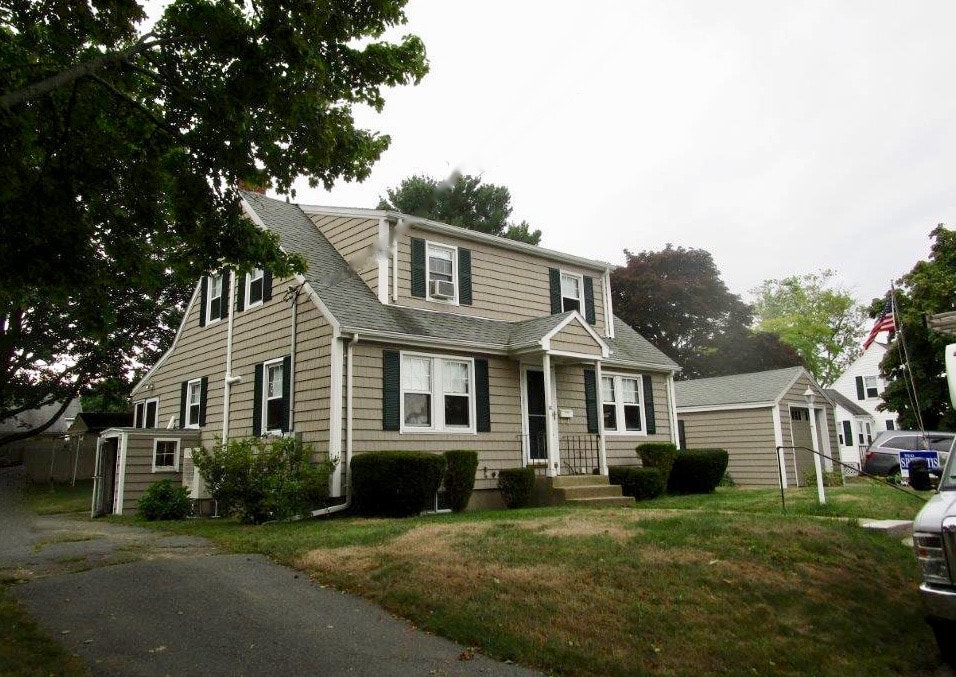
x=166 y=454
x=872 y=386
x=146 y=413
x=255 y=288
x=572 y=292
x=272 y=404
x=621 y=398
x=437 y=394
x=441 y=272
x=214 y=299
x=193 y=402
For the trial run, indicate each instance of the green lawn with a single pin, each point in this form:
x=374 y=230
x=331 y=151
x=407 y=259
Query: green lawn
x=54 y=499
x=626 y=591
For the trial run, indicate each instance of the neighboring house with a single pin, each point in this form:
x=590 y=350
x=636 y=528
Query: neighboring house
x=403 y=334
x=40 y=453
x=861 y=383
x=854 y=430
x=751 y=415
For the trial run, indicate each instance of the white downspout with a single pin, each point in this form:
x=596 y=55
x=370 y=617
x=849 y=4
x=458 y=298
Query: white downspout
x=348 y=434
x=672 y=401
x=292 y=349
x=608 y=304
x=228 y=381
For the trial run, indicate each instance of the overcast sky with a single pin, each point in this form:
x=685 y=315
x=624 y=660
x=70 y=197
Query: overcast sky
x=783 y=137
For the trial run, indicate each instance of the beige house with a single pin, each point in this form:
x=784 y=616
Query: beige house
x=403 y=334
x=751 y=415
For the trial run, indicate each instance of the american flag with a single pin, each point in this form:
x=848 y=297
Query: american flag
x=884 y=322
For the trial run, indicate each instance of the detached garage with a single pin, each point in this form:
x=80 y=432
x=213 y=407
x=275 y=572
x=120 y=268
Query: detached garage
x=750 y=415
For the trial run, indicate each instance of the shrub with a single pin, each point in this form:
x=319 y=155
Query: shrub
x=164 y=500
x=641 y=483
x=832 y=478
x=515 y=485
x=727 y=481
x=260 y=480
x=658 y=455
x=460 y=469
x=395 y=483
x=697 y=472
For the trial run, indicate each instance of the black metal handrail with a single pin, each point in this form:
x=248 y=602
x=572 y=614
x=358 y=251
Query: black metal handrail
x=580 y=454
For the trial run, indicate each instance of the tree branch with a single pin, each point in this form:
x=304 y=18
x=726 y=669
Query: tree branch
x=136 y=106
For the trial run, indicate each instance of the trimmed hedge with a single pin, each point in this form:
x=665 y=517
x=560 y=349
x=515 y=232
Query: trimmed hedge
x=515 y=485
x=164 y=500
x=697 y=471
x=395 y=483
x=460 y=469
x=659 y=455
x=641 y=483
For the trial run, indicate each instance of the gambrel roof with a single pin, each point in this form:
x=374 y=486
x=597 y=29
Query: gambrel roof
x=356 y=308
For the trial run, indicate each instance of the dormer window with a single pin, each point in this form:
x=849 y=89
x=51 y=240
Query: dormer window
x=442 y=273
x=214 y=299
x=572 y=296
x=254 y=287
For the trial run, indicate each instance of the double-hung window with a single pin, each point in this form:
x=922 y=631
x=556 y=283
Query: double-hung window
x=146 y=413
x=437 y=394
x=872 y=386
x=441 y=273
x=193 y=403
x=165 y=455
x=621 y=398
x=214 y=299
x=272 y=403
x=572 y=293
x=255 y=286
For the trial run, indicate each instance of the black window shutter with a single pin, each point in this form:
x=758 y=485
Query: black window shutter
x=241 y=293
x=257 y=402
x=418 y=267
x=391 y=390
x=556 y=305
x=589 y=300
x=860 y=392
x=203 y=291
x=590 y=400
x=649 y=405
x=847 y=434
x=138 y=415
x=182 y=404
x=464 y=276
x=482 y=397
x=286 y=391
x=203 y=390
x=266 y=286
x=224 y=301
x=681 y=435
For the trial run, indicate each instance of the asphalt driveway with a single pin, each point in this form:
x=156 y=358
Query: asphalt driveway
x=131 y=601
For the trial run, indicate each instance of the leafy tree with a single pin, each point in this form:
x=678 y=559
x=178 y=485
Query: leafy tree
x=926 y=289
x=461 y=200
x=677 y=301
x=120 y=154
x=821 y=322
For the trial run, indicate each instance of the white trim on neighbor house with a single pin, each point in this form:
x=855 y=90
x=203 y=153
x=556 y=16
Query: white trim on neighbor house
x=176 y=453
x=437 y=394
x=461 y=233
x=619 y=405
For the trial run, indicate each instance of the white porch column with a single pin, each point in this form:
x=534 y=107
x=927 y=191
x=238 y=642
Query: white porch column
x=817 y=465
x=550 y=422
x=602 y=449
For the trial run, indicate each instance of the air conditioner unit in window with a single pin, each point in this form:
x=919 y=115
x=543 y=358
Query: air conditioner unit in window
x=442 y=289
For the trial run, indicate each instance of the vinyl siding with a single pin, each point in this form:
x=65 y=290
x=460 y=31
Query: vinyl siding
x=506 y=285
x=574 y=338
x=621 y=449
x=746 y=434
x=827 y=439
x=139 y=466
x=356 y=239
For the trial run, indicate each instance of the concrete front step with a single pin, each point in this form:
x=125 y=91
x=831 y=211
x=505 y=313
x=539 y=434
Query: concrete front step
x=591 y=491
x=604 y=501
x=563 y=481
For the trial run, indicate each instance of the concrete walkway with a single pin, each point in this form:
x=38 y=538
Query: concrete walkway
x=130 y=601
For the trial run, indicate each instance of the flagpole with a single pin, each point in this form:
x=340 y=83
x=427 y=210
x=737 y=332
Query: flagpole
x=908 y=379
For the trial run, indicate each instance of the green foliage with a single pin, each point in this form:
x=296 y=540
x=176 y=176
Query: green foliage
x=460 y=469
x=460 y=200
x=676 y=300
x=121 y=153
x=395 y=483
x=659 y=455
x=927 y=289
x=164 y=500
x=821 y=322
x=727 y=481
x=697 y=472
x=515 y=485
x=260 y=480
x=831 y=478
x=641 y=483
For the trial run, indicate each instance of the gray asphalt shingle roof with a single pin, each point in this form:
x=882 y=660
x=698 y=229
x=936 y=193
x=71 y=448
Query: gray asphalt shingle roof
x=846 y=402
x=356 y=307
x=753 y=388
